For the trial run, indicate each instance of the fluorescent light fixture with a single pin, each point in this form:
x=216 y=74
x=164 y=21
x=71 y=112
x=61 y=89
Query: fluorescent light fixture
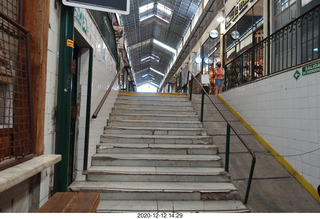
x=164 y=46
x=148 y=58
x=316 y=49
x=146 y=7
x=157 y=72
x=198 y=60
x=145 y=75
x=153 y=83
x=220 y=19
x=163 y=8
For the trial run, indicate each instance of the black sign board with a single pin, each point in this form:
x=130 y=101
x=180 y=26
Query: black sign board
x=114 y=6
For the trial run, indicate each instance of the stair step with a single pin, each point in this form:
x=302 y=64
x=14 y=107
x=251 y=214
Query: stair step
x=153 y=111
x=119 y=206
x=151 y=107
x=154 y=123
x=159 y=160
x=117 y=148
x=155 y=131
x=154 y=102
x=153 y=98
x=181 y=191
x=155 y=139
x=156 y=174
x=128 y=116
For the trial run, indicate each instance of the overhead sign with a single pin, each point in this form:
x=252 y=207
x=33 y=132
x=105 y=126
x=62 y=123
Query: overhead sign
x=114 y=6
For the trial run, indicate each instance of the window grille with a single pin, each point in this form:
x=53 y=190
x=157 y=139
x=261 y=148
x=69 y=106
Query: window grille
x=16 y=144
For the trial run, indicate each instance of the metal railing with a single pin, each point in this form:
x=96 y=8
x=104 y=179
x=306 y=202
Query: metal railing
x=229 y=128
x=16 y=113
x=294 y=44
x=96 y=112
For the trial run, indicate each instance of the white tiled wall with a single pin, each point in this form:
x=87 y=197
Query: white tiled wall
x=104 y=71
x=286 y=113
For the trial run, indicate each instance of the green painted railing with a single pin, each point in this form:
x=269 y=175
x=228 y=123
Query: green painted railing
x=229 y=128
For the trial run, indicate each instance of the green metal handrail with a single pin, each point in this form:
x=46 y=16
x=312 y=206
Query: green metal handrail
x=229 y=127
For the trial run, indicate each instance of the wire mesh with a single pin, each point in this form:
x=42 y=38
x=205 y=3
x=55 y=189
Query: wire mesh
x=11 y=8
x=15 y=111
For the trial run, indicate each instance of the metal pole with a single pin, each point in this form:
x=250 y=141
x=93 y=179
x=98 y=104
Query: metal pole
x=191 y=85
x=88 y=115
x=202 y=105
x=250 y=177
x=227 y=148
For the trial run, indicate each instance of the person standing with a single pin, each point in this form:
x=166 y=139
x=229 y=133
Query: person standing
x=219 y=78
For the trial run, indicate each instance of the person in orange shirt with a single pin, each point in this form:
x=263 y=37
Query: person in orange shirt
x=211 y=84
x=219 y=78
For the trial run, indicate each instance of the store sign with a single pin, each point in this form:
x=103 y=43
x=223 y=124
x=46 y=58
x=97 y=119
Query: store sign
x=310 y=69
x=236 y=11
x=114 y=6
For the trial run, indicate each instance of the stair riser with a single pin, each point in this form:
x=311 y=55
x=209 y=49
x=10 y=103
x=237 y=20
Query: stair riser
x=116 y=123
x=173 y=99
x=151 y=107
x=157 y=103
x=157 y=118
x=156 y=178
x=154 y=140
x=163 y=195
x=158 y=163
x=171 y=206
x=158 y=151
x=160 y=112
x=155 y=132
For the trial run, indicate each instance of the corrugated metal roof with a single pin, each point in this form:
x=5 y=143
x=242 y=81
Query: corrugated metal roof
x=162 y=20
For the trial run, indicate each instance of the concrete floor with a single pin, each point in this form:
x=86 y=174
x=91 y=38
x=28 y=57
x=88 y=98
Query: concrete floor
x=273 y=189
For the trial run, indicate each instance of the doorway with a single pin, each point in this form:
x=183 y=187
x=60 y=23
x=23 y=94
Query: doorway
x=79 y=70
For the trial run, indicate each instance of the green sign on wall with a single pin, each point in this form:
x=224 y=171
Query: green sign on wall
x=310 y=69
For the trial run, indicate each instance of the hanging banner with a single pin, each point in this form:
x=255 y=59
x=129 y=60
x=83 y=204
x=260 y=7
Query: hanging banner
x=113 y=6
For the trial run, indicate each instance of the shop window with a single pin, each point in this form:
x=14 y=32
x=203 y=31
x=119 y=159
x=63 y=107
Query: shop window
x=246 y=27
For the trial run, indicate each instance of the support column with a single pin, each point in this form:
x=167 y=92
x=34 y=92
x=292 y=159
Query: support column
x=63 y=117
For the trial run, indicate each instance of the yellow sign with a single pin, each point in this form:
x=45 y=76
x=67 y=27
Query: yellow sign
x=70 y=43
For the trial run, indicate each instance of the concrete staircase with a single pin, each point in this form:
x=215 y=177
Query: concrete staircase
x=155 y=156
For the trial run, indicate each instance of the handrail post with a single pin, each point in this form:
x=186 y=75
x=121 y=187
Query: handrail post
x=202 y=106
x=227 y=148
x=250 y=177
x=191 y=85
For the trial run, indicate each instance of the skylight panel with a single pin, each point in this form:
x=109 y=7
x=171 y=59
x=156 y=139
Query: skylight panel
x=164 y=9
x=146 y=7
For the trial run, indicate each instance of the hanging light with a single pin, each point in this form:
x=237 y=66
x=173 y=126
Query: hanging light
x=220 y=19
x=198 y=60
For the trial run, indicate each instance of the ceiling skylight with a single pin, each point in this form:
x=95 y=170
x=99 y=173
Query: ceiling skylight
x=162 y=12
x=164 y=9
x=146 y=8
